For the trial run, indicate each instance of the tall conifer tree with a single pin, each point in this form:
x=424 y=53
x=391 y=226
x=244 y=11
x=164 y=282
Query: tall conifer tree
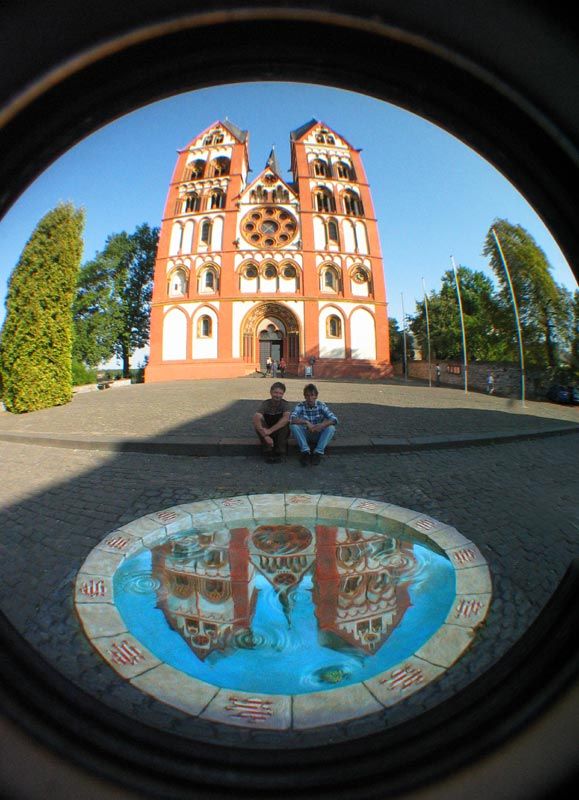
x=36 y=339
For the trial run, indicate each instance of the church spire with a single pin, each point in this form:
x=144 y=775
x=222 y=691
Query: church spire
x=272 y=162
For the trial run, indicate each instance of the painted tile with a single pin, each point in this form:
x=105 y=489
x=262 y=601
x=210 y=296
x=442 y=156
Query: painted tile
x=406 y=678
x=337 y=705
x=200 y=507
x=93 y=588
x=364 y=512
x=245 y=710
x=139 y=527
x=206 y=520
x=173 y=519
x=268 y=505
x=466 y=556
x=448 y=538
x=177 y=689
x=301 y=505
x=398 y=513
x=125 y=654
x=156 y=537
x=100 y=619
x=469 y=610
x=100 y=563
x=446 y=646
x=233 y=508
x=121 y=542
x=476 y=580
x=334 y=506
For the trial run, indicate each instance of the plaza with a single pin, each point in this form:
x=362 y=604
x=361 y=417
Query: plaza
x=505 y=476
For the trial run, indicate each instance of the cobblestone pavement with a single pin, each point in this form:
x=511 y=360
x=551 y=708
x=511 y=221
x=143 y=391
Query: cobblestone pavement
x=224 y=408
x=519 y=502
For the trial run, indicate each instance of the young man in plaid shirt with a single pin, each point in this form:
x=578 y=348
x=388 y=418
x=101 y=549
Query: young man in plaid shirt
x=313 y=425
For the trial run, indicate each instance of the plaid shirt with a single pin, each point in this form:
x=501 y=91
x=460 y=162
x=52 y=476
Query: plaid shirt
x=314 y=414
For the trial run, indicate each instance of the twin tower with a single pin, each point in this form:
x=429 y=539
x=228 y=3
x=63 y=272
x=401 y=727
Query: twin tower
x=251 y=268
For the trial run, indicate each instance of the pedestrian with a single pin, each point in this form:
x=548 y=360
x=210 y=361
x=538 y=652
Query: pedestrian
x=271 y=423
x=274 y=368
x=490 y=383
x=268 y=366
x=313 y=426
x=438 y=374
x=282 y=367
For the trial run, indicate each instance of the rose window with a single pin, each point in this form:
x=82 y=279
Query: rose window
x=269 y=227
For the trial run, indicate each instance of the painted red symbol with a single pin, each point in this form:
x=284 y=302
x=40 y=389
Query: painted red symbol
x=299 y=498
x=468 y=608
x=403 y=678
x=118 y=542
x=93 y=588
x=253 y=709
x=464 y=556
x=126 y=654
x=167 y=516
x=232 y=501
x=424 y=524
x=367 y=505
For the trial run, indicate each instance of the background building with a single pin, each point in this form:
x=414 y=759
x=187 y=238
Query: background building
x=248 y=269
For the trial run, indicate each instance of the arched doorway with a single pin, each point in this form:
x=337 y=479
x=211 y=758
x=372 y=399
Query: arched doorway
x=271 y=329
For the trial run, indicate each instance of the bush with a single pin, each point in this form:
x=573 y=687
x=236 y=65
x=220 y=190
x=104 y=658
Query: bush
x=81 y=374
x=36 y=341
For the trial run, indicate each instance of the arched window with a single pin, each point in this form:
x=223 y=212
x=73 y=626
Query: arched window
x=344 y=171
x=208 y=280
x=334 y=327
x=217 y=199
x=205 y=327
x=178 y=283
x=289 y=271
x=332 y=232
x=192 y=203
x=205 y=234
x=330 y=279
x=321 y=168
x=195 y=170
x=250 y=271
x=270 y=271
x=324 y=200
x=352 y=204
x=219 y=167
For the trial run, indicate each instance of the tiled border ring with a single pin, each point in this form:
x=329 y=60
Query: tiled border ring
x=108 y=633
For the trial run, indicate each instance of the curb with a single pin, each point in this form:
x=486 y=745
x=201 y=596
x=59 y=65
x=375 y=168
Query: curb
x=221 y=446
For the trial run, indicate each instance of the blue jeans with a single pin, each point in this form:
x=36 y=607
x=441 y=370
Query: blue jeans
x=319 y=439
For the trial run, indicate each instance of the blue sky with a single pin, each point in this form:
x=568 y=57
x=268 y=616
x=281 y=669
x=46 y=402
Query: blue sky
x=434 y=196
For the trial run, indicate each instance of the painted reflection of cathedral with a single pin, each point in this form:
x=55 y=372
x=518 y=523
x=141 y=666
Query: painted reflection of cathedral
x=358 y=598
x=208 y=583
x=207 y=587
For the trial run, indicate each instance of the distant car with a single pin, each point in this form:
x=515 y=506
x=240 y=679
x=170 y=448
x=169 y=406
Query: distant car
x=567 y=395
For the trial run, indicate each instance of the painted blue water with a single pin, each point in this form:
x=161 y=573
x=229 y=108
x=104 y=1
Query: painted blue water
x=326 y=629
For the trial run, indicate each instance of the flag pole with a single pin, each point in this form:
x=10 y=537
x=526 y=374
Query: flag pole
x=461 y=325
x=516 y=312
x=404 y=338
x=427 y=334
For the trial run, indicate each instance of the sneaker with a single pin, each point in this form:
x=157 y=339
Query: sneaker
x=305 y=458
x=316 y=459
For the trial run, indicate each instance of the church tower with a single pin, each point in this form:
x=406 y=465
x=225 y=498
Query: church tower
x=248 y=269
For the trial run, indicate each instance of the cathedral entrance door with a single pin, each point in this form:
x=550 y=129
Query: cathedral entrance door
x=270 y=344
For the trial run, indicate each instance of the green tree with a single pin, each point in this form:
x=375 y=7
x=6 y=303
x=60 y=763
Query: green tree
x=483 y=319
x=36 y=339
x=396 y=340
x=542 y=304
x=111 y=310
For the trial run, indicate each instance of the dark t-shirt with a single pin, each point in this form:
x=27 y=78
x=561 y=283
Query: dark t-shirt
x=273 y=411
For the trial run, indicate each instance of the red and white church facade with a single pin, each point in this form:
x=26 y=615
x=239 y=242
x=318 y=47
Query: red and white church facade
x=248 y=269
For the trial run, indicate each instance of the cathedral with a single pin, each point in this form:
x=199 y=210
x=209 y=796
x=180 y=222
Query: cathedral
x=248 y=269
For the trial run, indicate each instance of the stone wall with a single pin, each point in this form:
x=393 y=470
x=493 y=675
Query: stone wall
x=507 y=377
